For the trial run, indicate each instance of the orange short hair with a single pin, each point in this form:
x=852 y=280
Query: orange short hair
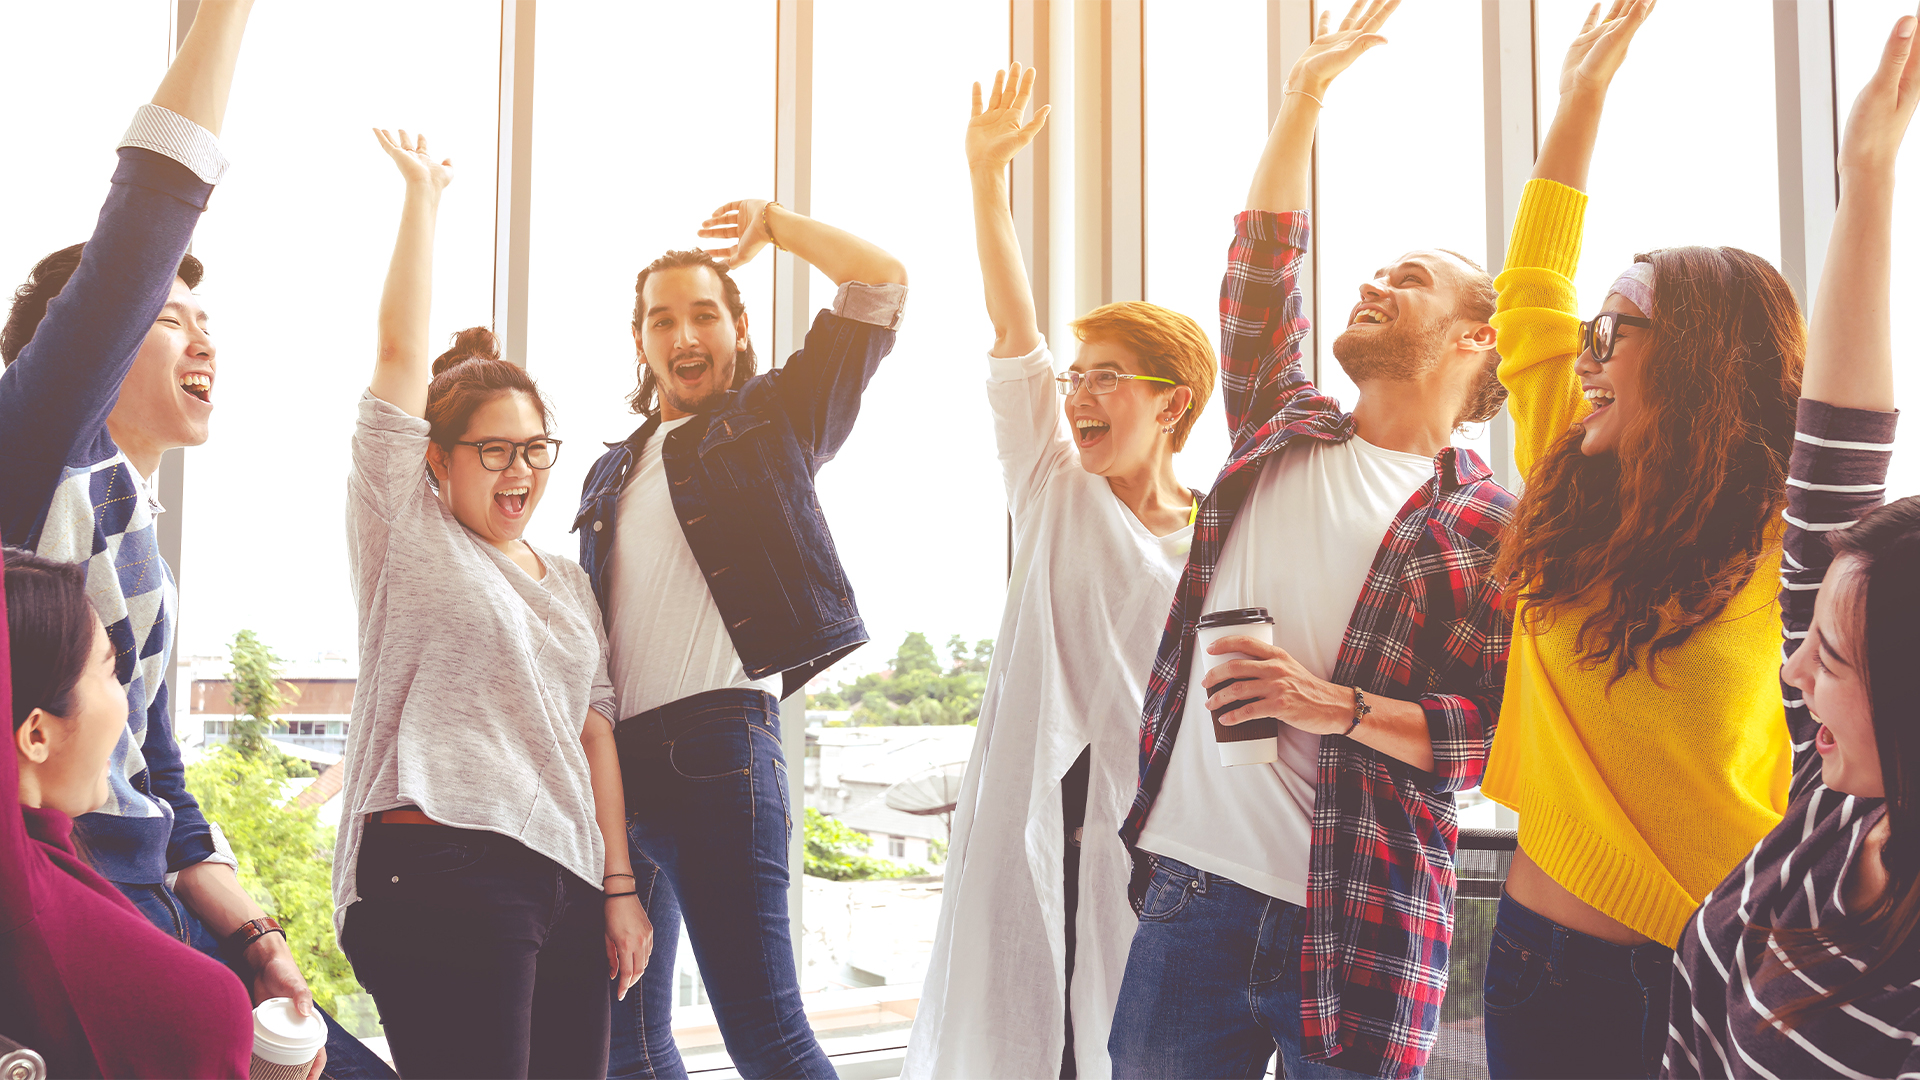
x=1169 y=345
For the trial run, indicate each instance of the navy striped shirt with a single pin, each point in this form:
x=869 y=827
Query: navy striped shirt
x=1728 y=980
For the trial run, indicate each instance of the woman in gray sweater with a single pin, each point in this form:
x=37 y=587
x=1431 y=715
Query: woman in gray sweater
x=477 y=899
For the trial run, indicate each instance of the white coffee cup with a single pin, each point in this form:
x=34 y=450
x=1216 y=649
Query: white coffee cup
x=284 y=1042
x=1252 y=742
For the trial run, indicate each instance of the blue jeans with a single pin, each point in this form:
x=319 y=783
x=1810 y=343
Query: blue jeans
x=1213 y=982
x=1560 y=1003
x=707 y=816
x=347 y=1058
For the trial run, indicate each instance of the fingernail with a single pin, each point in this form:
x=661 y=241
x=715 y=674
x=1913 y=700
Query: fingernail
x=1905 y=29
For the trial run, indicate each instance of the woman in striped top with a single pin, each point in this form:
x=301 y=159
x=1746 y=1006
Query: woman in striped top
x=1804 y=961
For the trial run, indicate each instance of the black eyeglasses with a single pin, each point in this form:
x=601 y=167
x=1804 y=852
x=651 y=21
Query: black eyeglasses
x=1597 y=334
x=496 y=455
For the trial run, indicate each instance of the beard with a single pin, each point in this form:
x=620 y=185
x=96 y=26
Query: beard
x=707 y=401
x=1398 y=352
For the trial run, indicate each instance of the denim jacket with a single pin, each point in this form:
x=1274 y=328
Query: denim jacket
x=741 y=478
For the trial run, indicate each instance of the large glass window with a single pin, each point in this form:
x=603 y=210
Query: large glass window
x=296 y=243
x=73 y=80
x=1860 y=32
x=634 y=145
x=1688 y=151
x=915 y=497
x=1206 y=122
x=1402 y=157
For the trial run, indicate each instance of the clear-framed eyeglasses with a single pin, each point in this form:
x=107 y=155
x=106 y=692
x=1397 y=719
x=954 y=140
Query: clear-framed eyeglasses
x=496 y=455
x=1100 y=380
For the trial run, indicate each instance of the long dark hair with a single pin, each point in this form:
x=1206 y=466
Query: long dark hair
x=469 y=375
x=49 y=631
x=644 y=398
x=1885 y=546
x=1663 y=532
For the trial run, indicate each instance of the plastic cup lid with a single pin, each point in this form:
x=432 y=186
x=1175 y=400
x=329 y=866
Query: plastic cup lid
x=281 y=1035
x=1236 y=617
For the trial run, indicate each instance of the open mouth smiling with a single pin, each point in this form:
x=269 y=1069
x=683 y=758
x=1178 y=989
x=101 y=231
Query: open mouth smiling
x=513 y=501
x=197 y=385
x=1087 y=431
x=1598 y=397
x=1370 y=316
x=692 y=369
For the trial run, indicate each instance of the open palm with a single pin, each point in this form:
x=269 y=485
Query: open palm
x=416 y=165
x=1880 y=114
x=1601 y=45
x=1334 y=51
x=999 y=131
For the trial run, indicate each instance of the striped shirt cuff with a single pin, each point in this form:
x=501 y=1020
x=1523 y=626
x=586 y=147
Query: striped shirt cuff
x=164 y=131
x=876 y=305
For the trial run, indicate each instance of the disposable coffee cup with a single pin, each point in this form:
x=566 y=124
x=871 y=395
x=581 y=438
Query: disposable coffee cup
x=284 y=1042
x=1255 y=742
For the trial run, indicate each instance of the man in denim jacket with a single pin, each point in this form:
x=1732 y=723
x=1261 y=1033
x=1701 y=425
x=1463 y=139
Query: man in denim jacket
x=723 y=593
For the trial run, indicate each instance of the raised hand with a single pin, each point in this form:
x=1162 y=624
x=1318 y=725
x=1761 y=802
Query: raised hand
x=1601 y=45
x=1880 y=114
x=1334 y=51
x=744 y=221
x=999 y=131
x=416 y=165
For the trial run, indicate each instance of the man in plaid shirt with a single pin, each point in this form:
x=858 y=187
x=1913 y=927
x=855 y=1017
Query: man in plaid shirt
x=1307 y=904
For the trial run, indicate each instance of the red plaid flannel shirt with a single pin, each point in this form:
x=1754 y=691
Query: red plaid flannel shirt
x=1429 y=626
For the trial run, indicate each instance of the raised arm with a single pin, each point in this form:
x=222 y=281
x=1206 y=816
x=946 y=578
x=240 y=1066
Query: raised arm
x=1850 y=334
x=754 y=223
x=197 y=83
x=995 y=136
x=1283 y=180
x=402 y=367
x=1585 y=74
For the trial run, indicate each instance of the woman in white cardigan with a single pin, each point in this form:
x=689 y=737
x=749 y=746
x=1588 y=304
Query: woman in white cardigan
x=1035 y=911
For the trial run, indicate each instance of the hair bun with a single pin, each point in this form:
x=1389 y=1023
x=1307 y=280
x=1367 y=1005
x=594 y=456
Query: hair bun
x=473 y=343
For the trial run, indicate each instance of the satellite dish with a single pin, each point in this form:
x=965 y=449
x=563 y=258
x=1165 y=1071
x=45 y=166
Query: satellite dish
x=934 y=791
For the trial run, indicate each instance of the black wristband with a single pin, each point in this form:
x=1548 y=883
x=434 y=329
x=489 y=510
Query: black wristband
x=612 y=895
x=1360 y=710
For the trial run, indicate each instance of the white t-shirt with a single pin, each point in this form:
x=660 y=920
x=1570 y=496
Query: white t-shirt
x=1300 y=548
x=668 y=639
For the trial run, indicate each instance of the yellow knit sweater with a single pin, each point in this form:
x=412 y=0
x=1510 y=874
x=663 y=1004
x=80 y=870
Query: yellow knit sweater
x=1638 y=800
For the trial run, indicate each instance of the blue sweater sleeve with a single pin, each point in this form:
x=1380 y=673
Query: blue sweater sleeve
x=55 y=396
x=191 y=840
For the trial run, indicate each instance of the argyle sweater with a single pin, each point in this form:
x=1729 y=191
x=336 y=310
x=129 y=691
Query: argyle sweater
x=72 y=494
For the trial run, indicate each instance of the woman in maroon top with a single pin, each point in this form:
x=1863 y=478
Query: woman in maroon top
x=85 y=979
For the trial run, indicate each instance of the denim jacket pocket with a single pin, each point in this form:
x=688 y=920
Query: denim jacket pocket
x=733 y=453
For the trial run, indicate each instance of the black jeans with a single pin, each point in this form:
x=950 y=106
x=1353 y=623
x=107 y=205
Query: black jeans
x=1560 y=1003
x=485 y=957
x=1073 y=811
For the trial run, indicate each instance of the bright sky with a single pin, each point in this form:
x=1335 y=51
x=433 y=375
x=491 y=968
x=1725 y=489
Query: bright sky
x=633 y=146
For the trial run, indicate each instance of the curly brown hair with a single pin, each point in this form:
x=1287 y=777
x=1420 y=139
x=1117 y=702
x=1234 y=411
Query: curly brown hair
x=1660 y=535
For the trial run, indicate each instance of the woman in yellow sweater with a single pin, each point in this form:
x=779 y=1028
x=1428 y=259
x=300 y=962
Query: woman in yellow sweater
x=1642 y=739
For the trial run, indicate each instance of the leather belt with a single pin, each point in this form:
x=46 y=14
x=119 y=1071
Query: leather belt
x=400 y=817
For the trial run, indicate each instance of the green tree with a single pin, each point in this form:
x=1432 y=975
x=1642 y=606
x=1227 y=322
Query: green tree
x=916 y=689
x=286 y=862
x=257 y=693
x=834 y=852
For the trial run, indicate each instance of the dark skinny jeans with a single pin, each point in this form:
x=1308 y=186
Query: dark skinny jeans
x=707 y=813
x=485 y=957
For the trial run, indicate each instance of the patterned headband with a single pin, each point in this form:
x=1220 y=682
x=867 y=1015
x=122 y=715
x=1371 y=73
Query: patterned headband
x=1636 y=284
